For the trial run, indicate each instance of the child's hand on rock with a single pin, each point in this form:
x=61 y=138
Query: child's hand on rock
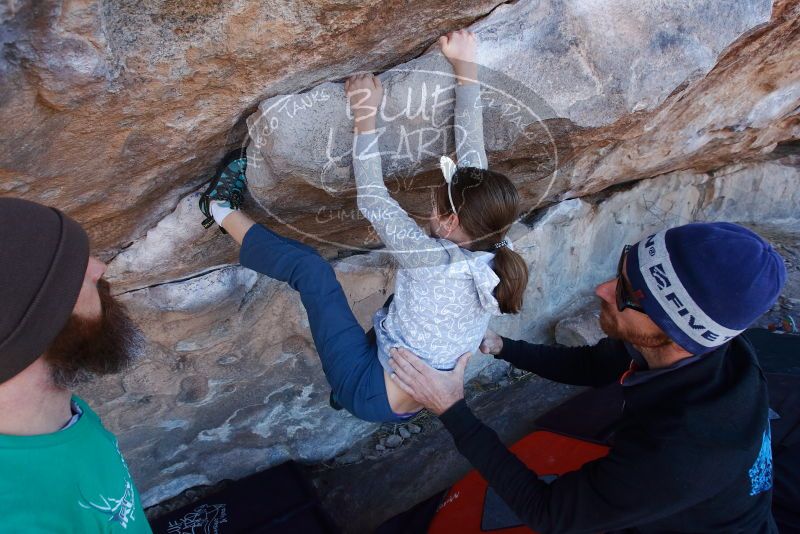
x=459 y=45
x=460 y=48
x=364 y=92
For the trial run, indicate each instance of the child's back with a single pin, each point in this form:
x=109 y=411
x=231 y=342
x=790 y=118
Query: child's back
x=440 y=312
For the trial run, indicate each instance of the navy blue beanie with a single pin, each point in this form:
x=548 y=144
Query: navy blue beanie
x=704 y=283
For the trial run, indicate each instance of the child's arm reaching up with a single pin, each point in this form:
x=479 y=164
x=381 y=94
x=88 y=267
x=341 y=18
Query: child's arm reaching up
x=399 y=232
x=460 y=49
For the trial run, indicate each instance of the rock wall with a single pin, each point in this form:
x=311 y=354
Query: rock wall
x=121 y=109
x=575 y=245
x=688 y=113
x=230 y=381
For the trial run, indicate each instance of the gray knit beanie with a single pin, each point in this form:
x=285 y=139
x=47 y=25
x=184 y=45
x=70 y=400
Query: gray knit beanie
x=43 y=258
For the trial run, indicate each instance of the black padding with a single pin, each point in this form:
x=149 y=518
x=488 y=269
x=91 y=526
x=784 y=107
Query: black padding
x=276 y=500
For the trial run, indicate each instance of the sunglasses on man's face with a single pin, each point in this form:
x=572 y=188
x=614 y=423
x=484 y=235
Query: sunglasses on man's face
x=624 y=298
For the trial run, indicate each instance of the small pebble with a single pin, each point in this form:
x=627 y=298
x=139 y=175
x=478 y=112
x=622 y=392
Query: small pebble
x=404 y=433
x=380 y=447
x=414 y=429
x=394 y=441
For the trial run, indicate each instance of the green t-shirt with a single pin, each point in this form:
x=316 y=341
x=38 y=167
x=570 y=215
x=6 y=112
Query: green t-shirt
x=73 y=480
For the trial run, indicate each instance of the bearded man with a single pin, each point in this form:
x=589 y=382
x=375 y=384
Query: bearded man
x=60 y=469
x=691 y=452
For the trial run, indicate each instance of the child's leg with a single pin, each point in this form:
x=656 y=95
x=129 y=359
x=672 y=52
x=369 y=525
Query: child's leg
x=349 y=360
x=237 y=224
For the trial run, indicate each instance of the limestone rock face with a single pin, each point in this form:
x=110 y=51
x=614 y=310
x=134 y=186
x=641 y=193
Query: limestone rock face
x=230 y=381
x=553 y=144
x=744 y=109
x=547 y=69
x=117 y=111
x=176 y=246
x=114 y=110
x=580 y=330
x=585 y=62
x=575 y=245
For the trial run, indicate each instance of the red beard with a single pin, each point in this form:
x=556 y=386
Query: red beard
x=613 y=330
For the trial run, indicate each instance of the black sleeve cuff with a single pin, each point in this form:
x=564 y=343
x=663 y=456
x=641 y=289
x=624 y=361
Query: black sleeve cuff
x=459 y=420
x=509 y=351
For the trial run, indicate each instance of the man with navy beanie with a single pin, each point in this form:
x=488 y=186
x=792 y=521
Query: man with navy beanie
x=692 y=449
x=60 y=469
x=703 y=284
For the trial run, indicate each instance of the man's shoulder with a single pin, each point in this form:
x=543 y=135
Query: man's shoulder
x=91 y=421
x=86 y=410
x=732 y=414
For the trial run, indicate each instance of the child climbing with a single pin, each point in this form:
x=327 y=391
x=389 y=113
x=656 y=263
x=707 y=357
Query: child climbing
x=448 y=285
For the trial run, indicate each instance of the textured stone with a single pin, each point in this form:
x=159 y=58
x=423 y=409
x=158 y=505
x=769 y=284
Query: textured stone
x=786 y=239
x=177 y=245
x=605 y=59
x=746 y=107
x=305 y=189
x=361 y=496
x=120 y=107
x=349 y=457
x=394 y=441
x=575 y=245
x=601 y=61
x=120 y=110
x=579 y=330
x=230 y=381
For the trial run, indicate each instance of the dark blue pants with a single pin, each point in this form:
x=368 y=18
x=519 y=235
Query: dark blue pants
x=349 y=357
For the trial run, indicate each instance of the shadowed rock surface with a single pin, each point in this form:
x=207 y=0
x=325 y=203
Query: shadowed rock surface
x=117 y=111
x=230 y=382
x=356 y=495
x=121 y=107
x=552 y=143
x=353 y=486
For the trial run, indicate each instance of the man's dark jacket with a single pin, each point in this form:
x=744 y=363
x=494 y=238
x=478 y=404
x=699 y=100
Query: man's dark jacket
x=691 y=454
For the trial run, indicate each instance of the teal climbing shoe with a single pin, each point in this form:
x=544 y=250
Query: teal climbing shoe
x=228 y=185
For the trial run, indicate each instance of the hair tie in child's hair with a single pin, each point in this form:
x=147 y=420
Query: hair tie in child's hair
x=448 y=167
x=501 y=244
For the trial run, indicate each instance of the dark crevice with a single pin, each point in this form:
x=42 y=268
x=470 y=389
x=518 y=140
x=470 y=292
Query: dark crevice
x=179 y=280
x=787 y=148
